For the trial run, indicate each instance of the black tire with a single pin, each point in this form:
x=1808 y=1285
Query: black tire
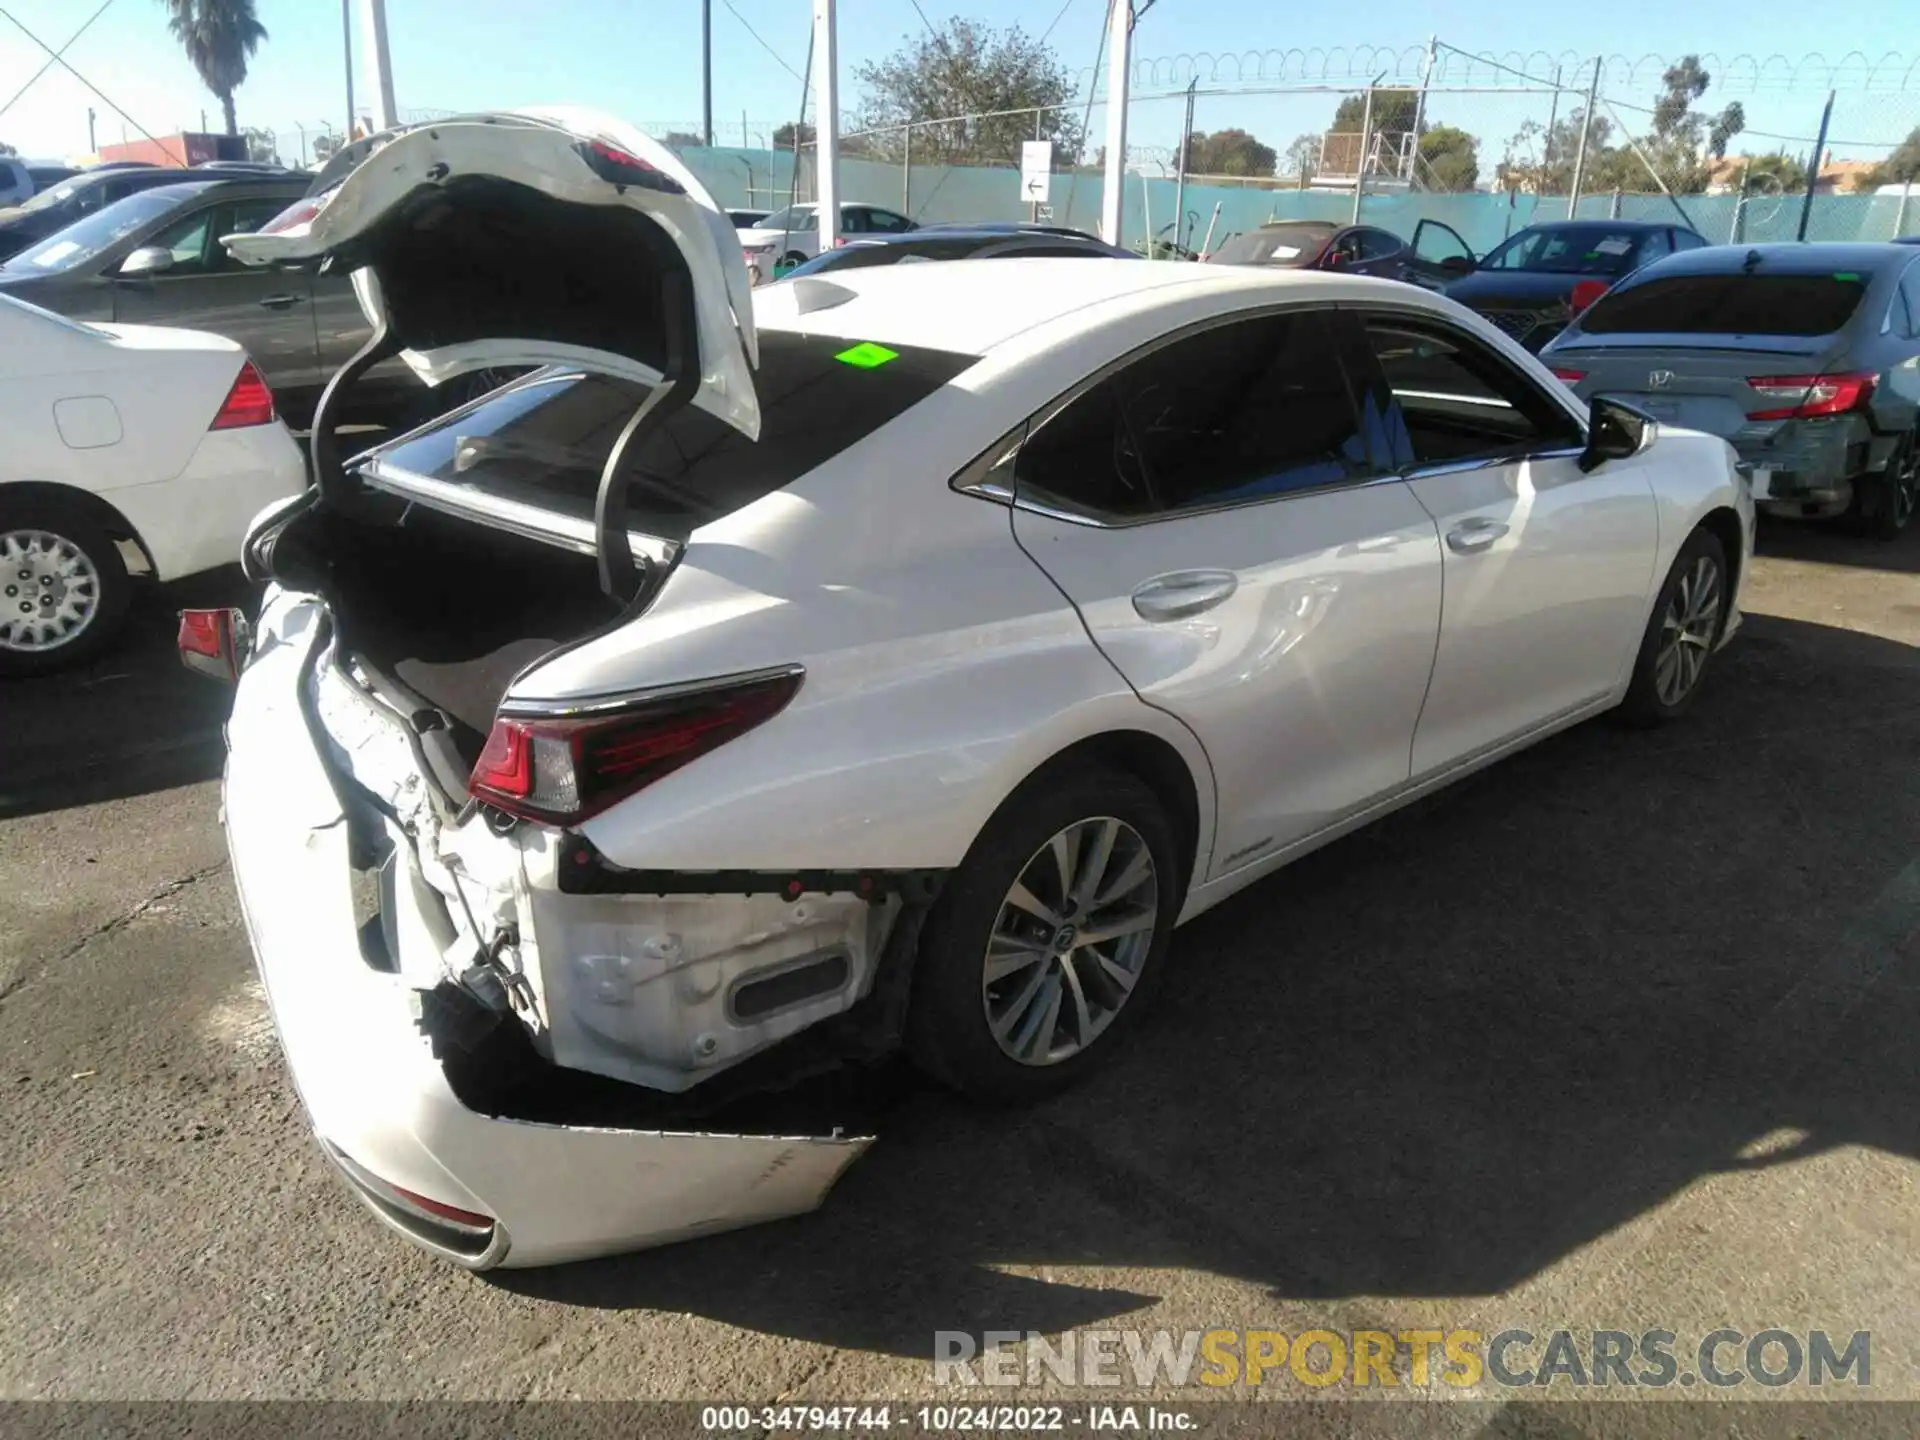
x=111 y=587
x=1894 y=491
x=794 y=258
x=1648 y=701
x=948 y=1033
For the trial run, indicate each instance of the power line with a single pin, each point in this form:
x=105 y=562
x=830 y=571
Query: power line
x=763 y=44
x=63 y=50
x=923 y=18
x=1056 y=21
x=64 y=65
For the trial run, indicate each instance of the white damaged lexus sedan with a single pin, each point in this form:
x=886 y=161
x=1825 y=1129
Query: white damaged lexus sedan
x=886 y=660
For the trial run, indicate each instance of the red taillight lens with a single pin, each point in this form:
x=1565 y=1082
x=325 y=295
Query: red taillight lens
x=1808 y=397
x=1585 y=293
x=211 y=642
x=300 y=213
x=1572 y=377
x=622 y=167
x=568 y=769
x=249 y=402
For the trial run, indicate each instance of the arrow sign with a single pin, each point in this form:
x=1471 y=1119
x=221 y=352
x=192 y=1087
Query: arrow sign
x=1036 y=171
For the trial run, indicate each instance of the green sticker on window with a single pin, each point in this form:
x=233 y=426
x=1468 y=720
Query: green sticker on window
x=867 y=355
x=1852 y=275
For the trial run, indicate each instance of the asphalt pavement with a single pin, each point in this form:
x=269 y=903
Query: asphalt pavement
x=1614 y=1034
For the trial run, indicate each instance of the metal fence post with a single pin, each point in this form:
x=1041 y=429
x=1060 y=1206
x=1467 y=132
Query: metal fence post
x=1180 y=177
x=1613 y=207
x=1360 y=170
x=1900 y=215
x=906 y=174
x=1813 y=170
x=1553 y=117
x=1586 y=124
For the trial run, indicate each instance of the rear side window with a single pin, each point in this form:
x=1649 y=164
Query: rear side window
x=1728 y=305
x=545 y=440
x=1241 y=412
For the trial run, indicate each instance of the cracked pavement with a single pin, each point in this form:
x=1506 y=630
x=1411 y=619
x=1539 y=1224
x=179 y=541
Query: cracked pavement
x=1615 y=1034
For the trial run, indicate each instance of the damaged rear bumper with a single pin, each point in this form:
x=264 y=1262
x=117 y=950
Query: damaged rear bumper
x=478 y=1189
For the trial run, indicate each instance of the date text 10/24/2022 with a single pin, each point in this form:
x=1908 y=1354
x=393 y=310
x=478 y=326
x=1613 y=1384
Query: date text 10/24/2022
x=950 y=1419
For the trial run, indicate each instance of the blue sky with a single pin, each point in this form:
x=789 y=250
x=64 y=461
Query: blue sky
x=641 y=58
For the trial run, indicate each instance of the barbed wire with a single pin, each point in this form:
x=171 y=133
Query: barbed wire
x=1890 y=72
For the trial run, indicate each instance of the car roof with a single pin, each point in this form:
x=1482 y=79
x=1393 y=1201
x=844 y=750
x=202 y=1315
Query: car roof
x=1632 y=226
x=972 y=306
x=1328 y=225
x=1791 y=257
x=971 y=232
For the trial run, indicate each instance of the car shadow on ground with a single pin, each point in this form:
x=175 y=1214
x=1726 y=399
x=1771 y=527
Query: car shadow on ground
x=1432 y=1058
x=132 y=722
x=1837 y=542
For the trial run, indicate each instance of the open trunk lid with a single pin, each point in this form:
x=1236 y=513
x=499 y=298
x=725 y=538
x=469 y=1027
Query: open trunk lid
x=535 y=237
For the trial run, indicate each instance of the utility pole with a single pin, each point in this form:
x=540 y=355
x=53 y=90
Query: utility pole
x=1113 y=193
x=706 y=73
x=826 y=84
x=1586 y=124
x=346 y=49
x=1813 y=170
x=1180 y=180
x=373 y=17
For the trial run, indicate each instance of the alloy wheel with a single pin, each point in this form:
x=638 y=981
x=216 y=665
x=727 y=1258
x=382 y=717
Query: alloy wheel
x=1905 y=489
x=1070 y=941
x=1687 y=631
x=49 y=591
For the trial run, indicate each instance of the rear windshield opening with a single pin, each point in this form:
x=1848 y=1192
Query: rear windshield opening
x=1275 y=245
x=544 y=441
x=1728 y=305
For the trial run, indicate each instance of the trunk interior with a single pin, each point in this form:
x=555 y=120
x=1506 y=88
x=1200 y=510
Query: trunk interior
x=449 y=609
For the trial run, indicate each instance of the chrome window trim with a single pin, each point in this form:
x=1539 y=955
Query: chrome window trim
x=1461 y=467
x=1441 y=321
x=974 y=478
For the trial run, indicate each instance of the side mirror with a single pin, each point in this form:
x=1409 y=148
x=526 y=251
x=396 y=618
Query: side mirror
x=1614 y=432
x=1457 y=265
x=147 y=260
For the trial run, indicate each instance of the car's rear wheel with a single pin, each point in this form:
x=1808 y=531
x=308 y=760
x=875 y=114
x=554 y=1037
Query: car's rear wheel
x=63 y=587
x=1045 y=948
x=1896 y=490
x=1680 y=638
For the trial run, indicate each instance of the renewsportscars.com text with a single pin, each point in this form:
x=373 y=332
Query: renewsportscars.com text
x=1462 y=1359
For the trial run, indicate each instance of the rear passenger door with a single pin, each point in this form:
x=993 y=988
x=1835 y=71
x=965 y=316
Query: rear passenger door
x=1239 y=549
x=266 y=311
x=1547 y=569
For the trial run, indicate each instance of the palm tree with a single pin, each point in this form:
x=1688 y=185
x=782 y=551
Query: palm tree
x=219 y=36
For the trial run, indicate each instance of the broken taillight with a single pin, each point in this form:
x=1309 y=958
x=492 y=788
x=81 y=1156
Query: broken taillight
x=564 y=769
x=1809 y=397
x=622 y=167
x=214 y=642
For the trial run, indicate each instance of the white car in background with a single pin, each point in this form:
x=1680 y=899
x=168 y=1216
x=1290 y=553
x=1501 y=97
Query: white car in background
x=792 y=236
x=895 y=660
x=164 y=439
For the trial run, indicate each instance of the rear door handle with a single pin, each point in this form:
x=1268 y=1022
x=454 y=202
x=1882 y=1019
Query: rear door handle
x=1475 y=536
x=280 y=302
x=1183 y=593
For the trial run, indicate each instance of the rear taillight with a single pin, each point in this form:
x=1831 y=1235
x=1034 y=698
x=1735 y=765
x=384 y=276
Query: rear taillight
x=565 y=769
x=622 y=167
x=1585 y=293
x=213 y=642
x=249 y=402
x=298 y=215
x=1808 y=397
x=1572 y=377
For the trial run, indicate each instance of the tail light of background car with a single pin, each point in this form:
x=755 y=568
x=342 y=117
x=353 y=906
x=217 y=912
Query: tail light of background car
x=1571 y=377
x=564 y=770
x=298 y=215
x=1808 y=397
x=1585 y=293
x=249 y=402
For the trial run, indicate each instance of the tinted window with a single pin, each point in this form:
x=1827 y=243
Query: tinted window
x=1568 y=250
x=1275 y=245
x=86 y=238
x=1243 y=411
x=796 y=217
x=1910 y=292
x=1457 y=401
x=188 y=242
x=887 y=222
x=1378 y=244
x=1728 y=305
x=544 y=441
x=1687 y=240
x=1435 y=242
x=1657 y=244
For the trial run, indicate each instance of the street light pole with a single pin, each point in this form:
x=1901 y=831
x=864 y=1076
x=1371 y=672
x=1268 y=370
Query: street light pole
x=346 y=48
x=1119 y=67
x=373 y=15
x=706 y=74
x=826 y=85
